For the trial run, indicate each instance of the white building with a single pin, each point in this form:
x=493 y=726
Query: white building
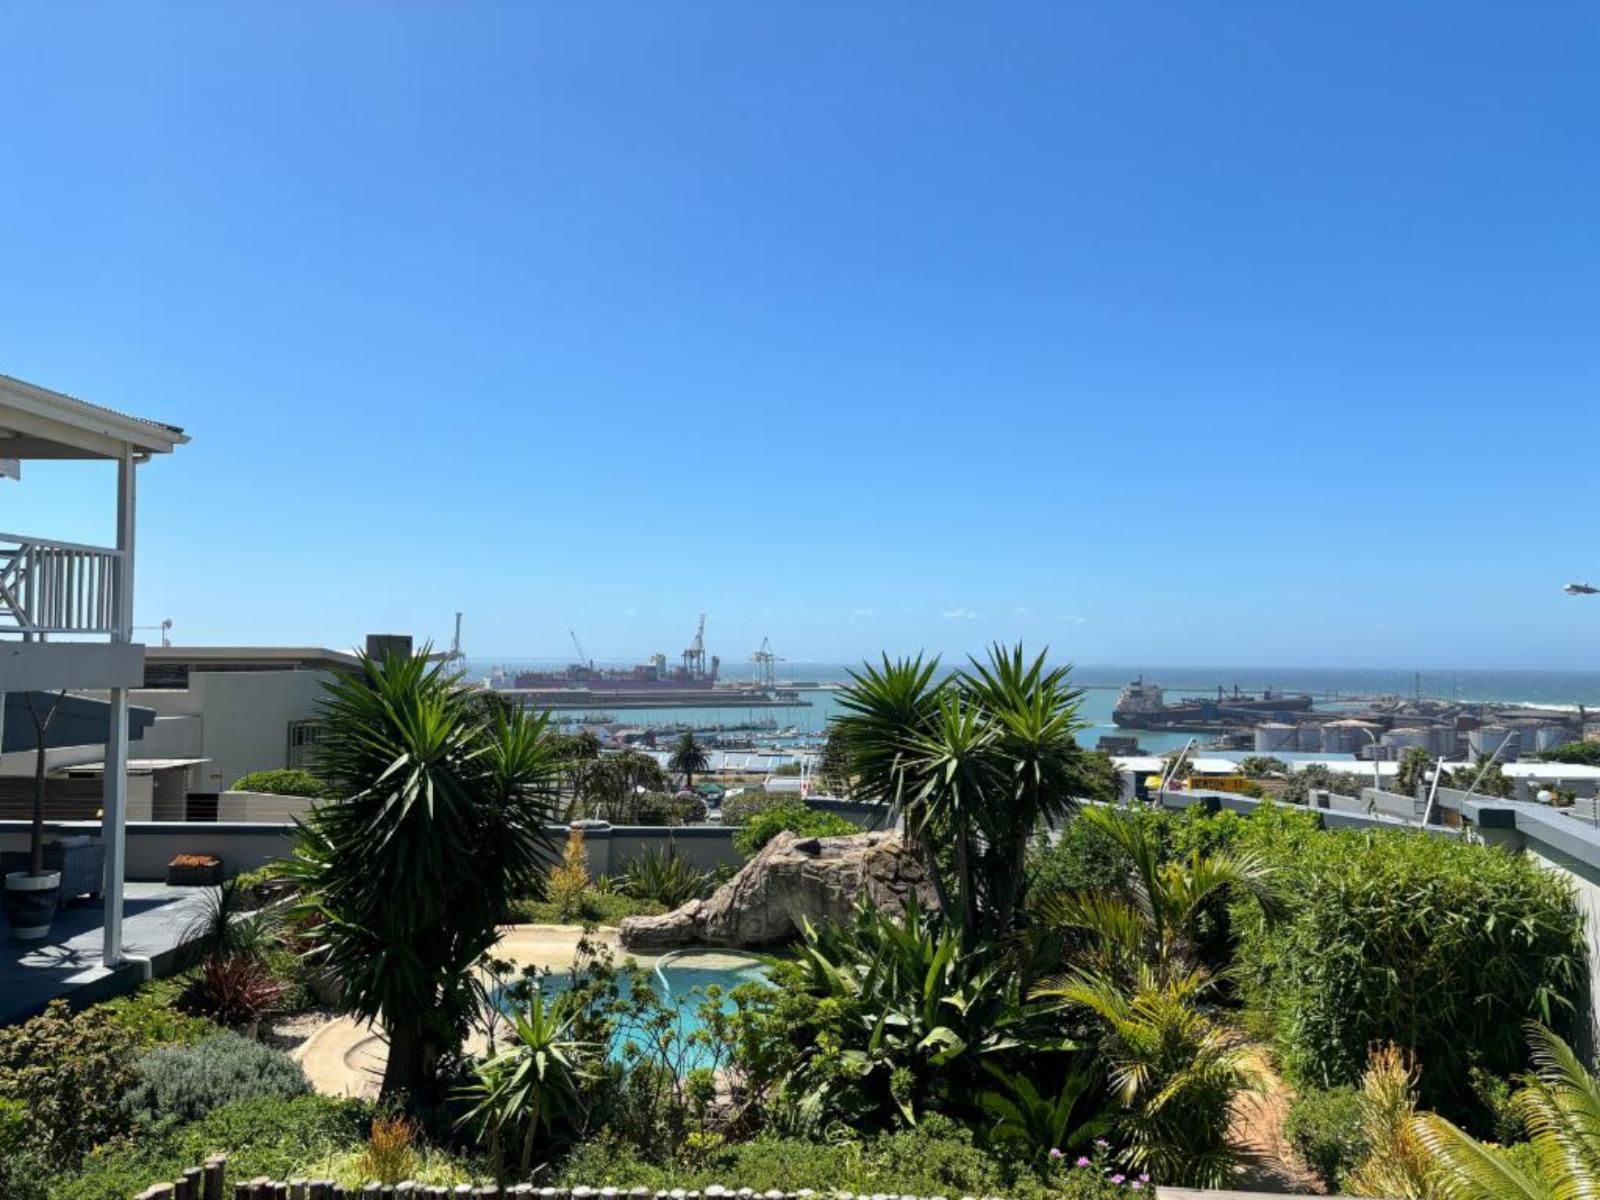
x=230 y=710
x=66 y=609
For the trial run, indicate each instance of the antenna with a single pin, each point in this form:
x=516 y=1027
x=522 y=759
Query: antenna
x=166 y=630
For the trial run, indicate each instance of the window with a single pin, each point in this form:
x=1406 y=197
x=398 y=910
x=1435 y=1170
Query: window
x=303 y=738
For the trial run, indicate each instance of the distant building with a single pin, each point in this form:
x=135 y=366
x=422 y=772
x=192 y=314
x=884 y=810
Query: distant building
x=230 y=710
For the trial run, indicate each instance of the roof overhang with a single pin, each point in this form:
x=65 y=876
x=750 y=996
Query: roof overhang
x=36 y=423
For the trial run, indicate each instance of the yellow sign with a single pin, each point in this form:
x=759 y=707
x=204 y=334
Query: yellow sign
x=1223 y=783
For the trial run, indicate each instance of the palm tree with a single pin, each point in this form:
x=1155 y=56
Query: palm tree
x=1560 y=1107
x=1175 y=1068
x=688 y=756
x=405 y=881
x=973 y=763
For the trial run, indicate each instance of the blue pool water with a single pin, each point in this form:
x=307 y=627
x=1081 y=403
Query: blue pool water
x=684 y=986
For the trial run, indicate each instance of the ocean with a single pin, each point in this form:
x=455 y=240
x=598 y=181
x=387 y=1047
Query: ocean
x=1563 y=689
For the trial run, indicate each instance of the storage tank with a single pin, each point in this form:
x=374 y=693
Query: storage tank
x=1349 y=736
x=1489 y=739
x=1548 y=737
x=1438 y=740
x=1274 y=737
x=1308 y=737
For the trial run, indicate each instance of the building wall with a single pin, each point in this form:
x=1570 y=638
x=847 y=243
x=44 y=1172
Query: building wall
x=239 y=718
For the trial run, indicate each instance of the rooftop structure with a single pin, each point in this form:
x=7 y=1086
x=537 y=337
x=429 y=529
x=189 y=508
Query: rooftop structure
x=66 y=609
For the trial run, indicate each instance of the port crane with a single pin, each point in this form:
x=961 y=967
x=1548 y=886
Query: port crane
x=694 y=658
x=456 y=654
x=583 y=659
x=766 y=664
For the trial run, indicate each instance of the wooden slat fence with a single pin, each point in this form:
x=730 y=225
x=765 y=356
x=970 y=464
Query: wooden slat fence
x=208 y=1182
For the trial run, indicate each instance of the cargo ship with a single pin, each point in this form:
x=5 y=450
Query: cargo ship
x=653 y=684
x=1142 y=705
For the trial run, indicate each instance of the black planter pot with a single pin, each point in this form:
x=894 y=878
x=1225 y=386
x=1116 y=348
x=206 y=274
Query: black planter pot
x=31 y=903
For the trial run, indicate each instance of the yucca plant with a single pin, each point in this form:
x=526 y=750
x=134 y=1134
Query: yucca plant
x=973 y=763
x=404 y=881
x=1559 y=1106
x=530 y=1083
x=665 y=876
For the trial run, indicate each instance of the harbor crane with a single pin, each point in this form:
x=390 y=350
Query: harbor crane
x=456 y=654
x=766 y=664
x=583 y=659
x=694 y=658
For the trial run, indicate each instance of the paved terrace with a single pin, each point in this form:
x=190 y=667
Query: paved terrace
x=67 y=963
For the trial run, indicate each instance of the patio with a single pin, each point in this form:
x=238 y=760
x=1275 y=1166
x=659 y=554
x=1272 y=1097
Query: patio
x=67 y=964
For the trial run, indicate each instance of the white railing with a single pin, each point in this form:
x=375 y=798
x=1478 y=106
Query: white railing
x=56 y=587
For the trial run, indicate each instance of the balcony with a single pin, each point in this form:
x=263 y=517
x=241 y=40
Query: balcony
x=51 y=587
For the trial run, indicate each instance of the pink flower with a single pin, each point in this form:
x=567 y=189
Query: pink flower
x=1055 y=1153
x=1144 y=1177
x=1083 y=1160
x=1118 y=1178
x=1135 y=1186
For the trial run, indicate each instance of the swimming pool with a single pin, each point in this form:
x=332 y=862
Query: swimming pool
x=683 y=979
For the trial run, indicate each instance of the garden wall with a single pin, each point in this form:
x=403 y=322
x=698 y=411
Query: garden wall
x=246 y=845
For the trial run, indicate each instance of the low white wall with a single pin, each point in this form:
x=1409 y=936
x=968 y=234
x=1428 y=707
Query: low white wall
x=260 y=806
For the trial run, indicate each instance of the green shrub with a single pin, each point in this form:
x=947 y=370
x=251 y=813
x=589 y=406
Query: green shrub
x=273 y=1136
x=748 y=804
x=21 y=1174
x=70 y=1071
x=183 y=1083
x=282 y=783
x=663 y=808
x=793 y=817
x=1441 y=947
x=591 y=908
x=934 y=1158
x=154 y=1016
x=1324 y=1127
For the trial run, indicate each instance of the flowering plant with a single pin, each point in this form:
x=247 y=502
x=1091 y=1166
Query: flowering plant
x=1095 y=1176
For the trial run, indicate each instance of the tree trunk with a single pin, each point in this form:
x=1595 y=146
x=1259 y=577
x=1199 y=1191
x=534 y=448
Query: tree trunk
x=405 y=1074
x=41 y=726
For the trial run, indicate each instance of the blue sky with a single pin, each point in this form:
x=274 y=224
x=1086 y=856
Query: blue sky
x=1179 y=333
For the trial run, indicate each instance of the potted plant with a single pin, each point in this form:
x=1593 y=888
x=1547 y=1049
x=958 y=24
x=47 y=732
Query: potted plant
x=31 y=895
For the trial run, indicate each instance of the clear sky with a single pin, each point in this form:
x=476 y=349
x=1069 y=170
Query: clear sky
x=1180 y=333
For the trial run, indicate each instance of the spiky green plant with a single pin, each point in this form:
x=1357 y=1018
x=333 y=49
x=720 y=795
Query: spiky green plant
x=1037 y=1123
x=974 y=763
x=665 y=876
x=530 y=1083
x=403 y=883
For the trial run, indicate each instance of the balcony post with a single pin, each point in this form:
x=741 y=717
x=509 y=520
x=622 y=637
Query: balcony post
x=114 y=802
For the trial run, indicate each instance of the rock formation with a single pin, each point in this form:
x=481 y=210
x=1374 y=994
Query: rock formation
x=791 y=880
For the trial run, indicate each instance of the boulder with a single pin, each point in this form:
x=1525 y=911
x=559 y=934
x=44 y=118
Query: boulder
x=792 y=879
